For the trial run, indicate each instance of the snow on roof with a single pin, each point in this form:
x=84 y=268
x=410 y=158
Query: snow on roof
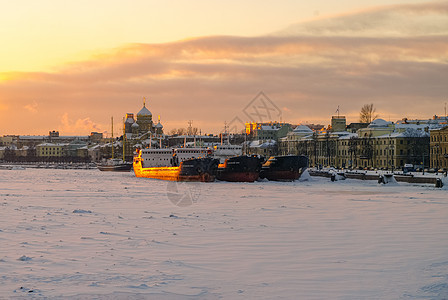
x=410 y=132
x=302 y=129
x=392 y=135
x=268 y=127
x=32 y=137
x=52 y=144
x=348 y=136
x=379 y=123
x=340 y=133
x=437 y=126
x=413 y=126
x=262 y=144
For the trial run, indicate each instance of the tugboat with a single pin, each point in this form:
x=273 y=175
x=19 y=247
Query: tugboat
x=243 y=168
x=164 y=164
x=284 y=168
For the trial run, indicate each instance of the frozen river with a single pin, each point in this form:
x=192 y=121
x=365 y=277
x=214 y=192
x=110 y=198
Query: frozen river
x=89 y=234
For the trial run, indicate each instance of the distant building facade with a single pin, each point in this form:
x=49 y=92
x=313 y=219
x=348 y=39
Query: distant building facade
x=439 y=148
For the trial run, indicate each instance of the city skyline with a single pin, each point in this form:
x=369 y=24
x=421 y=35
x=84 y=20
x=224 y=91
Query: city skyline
x=208 y=70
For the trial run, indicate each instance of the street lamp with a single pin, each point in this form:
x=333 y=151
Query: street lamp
x=437 y=157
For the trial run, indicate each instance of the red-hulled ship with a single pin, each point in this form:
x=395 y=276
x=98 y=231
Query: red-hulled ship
x=243 y=168
x=284 y=168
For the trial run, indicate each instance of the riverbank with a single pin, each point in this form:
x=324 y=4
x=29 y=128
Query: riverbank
x=40 y=165
x=411 y=177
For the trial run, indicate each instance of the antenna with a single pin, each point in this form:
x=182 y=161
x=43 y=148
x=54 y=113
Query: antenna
x=190 y=130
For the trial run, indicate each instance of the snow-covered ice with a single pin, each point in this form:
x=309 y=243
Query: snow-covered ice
x=104 y=235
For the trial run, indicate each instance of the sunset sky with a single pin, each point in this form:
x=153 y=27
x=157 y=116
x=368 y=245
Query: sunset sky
x=71 y=65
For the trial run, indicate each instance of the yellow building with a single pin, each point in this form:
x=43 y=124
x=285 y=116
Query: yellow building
x=376 y=128
x=50 y=150
x=439 y=148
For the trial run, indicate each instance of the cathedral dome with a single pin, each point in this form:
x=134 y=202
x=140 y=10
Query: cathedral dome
x=144 y=112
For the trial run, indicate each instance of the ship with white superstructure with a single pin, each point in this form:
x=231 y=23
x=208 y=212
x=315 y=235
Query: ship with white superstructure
x=175 y=164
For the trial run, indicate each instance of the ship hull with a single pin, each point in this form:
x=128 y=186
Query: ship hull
x=116 y=168
x=239 y=169
x=284 y=168
x=237 y=176
x=162 y=173
x=285 y=175
x=198 y=169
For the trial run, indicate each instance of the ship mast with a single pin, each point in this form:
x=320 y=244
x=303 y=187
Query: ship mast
x=124 y=134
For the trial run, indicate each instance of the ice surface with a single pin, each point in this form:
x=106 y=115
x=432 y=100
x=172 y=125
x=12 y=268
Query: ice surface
x=105 y=235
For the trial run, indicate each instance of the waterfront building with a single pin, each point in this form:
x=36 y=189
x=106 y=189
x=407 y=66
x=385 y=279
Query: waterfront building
x=267 y=131
x=354 y=127
x=9 y=140
x=95 y=137
x=338 y=123
x=51 y=150
x=289 y=144
x=144 y=120
x=158 y=128
x=142 y=128
x=376 y=128
x=379 y=145
x=439 y=148
x=264 y=148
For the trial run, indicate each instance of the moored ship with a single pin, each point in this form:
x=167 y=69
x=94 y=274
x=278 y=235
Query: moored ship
x=243 y=168
x=198 y=169
x=284 y=168
x=185 y=164
x=225 y=151
x=115 y=165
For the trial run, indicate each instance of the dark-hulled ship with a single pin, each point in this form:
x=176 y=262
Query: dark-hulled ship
x=115 y=165
x=243 y=168
x=284 y=168
x=198 y=169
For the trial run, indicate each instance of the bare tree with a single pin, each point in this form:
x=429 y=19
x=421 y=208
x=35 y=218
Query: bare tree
x=367 y=113
x=181 y=131
x=173 y=131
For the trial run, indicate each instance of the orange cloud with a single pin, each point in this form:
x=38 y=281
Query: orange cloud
x=32 y=108
x=211 y=79
x=80 y=125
